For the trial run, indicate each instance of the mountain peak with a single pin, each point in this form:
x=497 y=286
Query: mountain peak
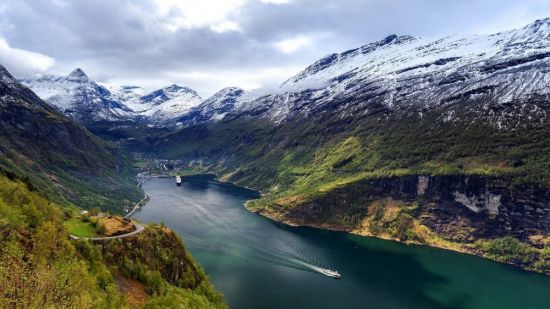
x=538 y=26
x=230 y=90
x=390 y=38
x=78 y=76
x=541 y=22
x=175 y=89
x=397 y=39
x=225 y=93
x=535 y=35
x=5 y=76
x=349 y=59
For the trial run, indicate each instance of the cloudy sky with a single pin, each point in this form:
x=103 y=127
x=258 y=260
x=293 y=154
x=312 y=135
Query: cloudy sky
x=211 y=44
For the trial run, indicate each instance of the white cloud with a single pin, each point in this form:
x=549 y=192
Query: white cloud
x=289 y=46
x=60 y=3
x=21 y=62
x=188 y=14
x=226 y=26
x=131 y=40
x=275 y=1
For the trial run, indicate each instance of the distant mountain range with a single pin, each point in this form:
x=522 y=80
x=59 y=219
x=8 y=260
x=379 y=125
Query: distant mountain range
x=78 y=97
x=84 y=100
x=445 y=140
x=58 y=157
x=396 y=73
x=501 y=81
x=504 y=71
x=158 y=106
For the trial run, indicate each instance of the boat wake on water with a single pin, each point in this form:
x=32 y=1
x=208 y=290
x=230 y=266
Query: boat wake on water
x=321 y=270
x=284 y=254
x=292 y=260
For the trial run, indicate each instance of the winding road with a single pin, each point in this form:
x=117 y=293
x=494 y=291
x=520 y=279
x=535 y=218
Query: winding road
x=139 y=229
x=128 y=215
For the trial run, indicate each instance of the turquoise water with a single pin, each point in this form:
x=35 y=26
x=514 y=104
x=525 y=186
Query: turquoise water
x=258 y=263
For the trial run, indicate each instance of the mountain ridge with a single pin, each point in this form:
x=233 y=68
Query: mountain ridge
x=399 y=70
x=58 y=157
x=348 y=147
x=86 y=101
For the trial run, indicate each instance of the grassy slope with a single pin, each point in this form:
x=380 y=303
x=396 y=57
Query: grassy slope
x=41 y=268
x=307 y=158
x=79 y=181
x=80 y=228
x=301 y=161
x=60 y=158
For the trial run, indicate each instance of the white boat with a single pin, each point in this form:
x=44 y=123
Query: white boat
x=325 y=271
x=178 y=180
x=330 y=273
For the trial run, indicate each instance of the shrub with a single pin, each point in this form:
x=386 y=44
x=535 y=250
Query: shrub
x=507 y=250
x=402 y=226
x=67 y=213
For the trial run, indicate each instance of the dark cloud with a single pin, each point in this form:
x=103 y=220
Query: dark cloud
x=129 y=41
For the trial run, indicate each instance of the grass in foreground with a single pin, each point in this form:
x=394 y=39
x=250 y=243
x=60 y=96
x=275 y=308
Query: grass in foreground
x=80 y=228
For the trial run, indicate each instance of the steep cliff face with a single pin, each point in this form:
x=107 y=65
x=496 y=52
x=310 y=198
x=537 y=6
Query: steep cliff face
x=486 y=216
x=493 y=207
x=488 y=207
x=158 y=259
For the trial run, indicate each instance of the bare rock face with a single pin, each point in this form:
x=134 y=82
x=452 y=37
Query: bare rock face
x=423 y=183
x=494 y=207
x=478 y=203
x=459 y=208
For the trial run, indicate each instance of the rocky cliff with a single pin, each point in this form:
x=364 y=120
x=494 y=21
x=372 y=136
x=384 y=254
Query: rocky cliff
x=457 y=212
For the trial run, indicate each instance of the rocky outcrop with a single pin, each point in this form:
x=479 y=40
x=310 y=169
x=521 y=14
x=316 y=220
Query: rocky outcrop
x=487 y=207
x=494 y=207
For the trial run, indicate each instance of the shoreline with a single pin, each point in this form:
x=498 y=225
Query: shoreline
x=459 y=249
x=273 y=216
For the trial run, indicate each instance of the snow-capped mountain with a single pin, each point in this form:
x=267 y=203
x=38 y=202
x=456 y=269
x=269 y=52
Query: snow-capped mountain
x=213 y=108
x=396 y=73
x=10 y=87
x=125 y=93
x=79 y=97
x=165 y=104
x=403 y=72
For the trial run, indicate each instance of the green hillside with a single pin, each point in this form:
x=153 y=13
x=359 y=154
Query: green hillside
x=58 y=157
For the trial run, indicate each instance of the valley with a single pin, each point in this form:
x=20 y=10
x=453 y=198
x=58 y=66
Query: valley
x=321 y=156
x=364 y=164
x=236 y=245
x=51 y=170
